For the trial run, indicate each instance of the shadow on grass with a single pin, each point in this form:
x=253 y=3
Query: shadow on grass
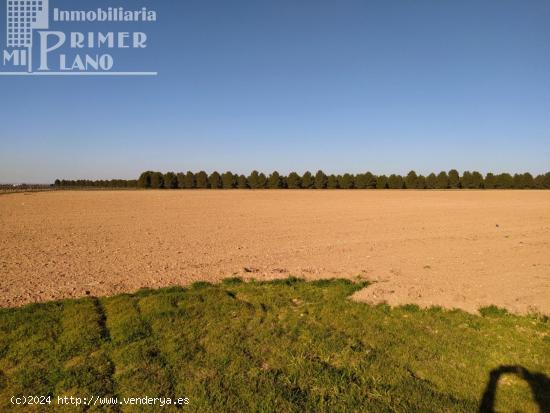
x=538 y=382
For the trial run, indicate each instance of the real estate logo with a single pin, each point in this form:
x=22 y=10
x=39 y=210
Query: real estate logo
x=35 y=46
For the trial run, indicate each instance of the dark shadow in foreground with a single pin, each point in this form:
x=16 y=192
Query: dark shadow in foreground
x=539 y=383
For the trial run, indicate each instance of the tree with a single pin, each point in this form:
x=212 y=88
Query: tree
x=528 y=180
x=228 y=180
x=517 y=181
x=467 y=180
x=215 y=180
x=307 y=180
x=254 y=180
x=371 y=180
x=382 y=182
x=294 y=181
x=539 y=182
x=144 y=180
x=275 y=181
x=170 y=180
x=201 y=180
x=490 y=181
x=262 y=180
x=346 y=181
x=395 y=182
x=410 y=180
x=454 y=179
x=523 y=181
x=442 y=180
x=157 y=180
x=477 y=180
x=332 y=182
x=542 y=181
x=421 y=182
x=431 y=181
x=284 y=182
x=320 y=180
x=504 y=181
x=189 y=182
x=180 y=177
x=361 y=181
x=242 y=182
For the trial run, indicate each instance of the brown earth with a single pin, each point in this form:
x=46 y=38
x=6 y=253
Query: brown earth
x=462 y=249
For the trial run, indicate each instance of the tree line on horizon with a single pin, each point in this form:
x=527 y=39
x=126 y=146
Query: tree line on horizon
x=103 y=183
x=367 y=180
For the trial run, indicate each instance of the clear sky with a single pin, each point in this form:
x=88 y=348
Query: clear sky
x=385 y=86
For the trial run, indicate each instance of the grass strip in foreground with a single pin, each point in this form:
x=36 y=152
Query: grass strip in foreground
x=285 y=346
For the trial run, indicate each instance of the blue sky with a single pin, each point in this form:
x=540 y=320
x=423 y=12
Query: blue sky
x=385 y=86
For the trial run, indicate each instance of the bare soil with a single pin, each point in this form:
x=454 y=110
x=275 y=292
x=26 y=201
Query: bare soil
x=456 y=249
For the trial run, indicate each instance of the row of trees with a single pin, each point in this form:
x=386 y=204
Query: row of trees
x=86 y=183
x=23 y=187
x=257 y=180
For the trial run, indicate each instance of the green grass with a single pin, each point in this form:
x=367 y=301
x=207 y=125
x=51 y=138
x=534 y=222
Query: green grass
x=281 y=346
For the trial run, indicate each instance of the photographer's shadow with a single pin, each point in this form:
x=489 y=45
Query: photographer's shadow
x=538 y=382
